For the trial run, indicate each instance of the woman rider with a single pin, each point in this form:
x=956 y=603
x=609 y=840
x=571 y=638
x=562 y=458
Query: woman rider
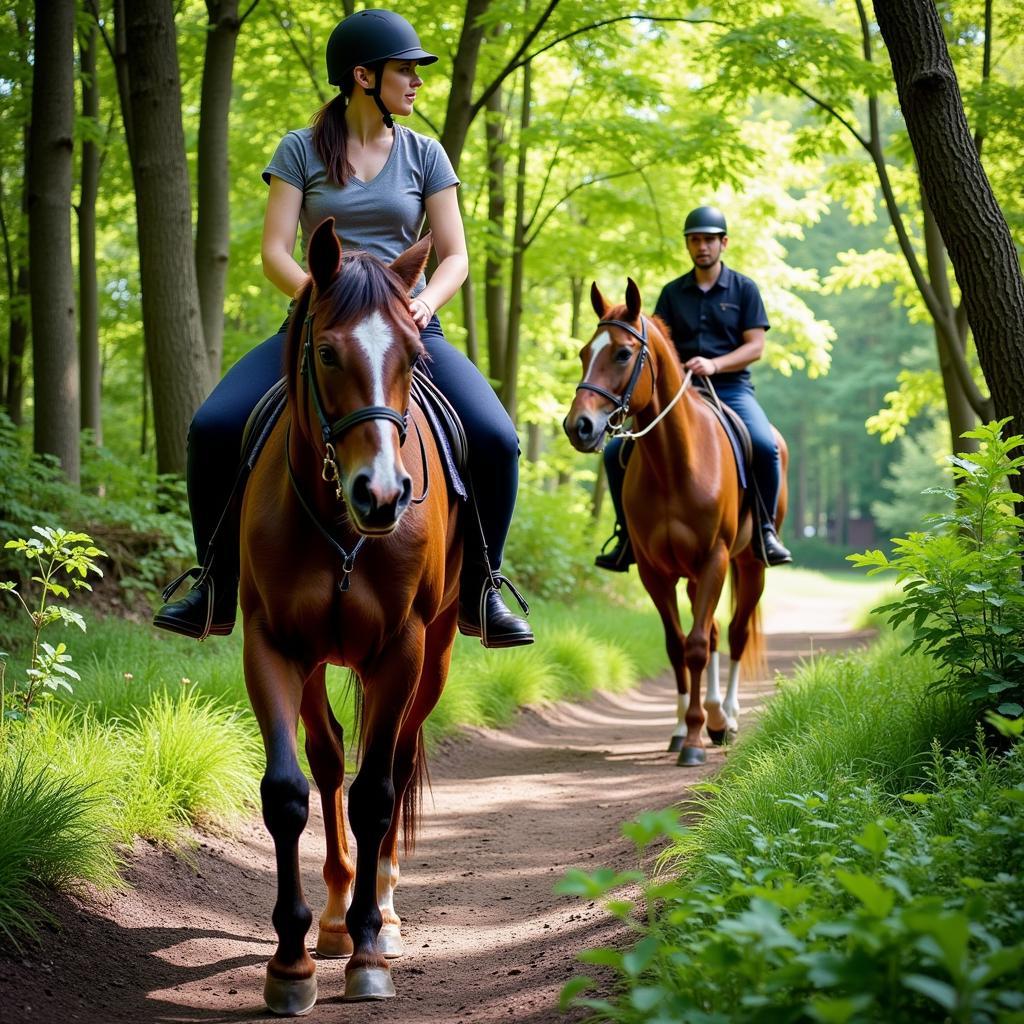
x=378 y=180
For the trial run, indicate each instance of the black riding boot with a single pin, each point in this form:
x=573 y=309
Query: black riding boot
x=775 y=552
x=207 y=609
x=617 y=553
x=482 y=612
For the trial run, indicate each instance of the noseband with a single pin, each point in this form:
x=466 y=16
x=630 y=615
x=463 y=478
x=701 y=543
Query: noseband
x=620 y=413
x=333 y=431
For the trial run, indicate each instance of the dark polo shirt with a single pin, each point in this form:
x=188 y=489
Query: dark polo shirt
x=712 y=323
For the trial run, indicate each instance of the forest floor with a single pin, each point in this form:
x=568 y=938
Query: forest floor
x=486 y=938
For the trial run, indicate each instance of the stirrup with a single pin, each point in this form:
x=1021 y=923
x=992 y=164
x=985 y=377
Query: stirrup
x=196 y=572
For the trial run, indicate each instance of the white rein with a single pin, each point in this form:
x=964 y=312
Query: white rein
x=633 y=434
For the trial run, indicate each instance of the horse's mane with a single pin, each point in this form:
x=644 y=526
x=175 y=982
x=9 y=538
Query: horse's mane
x=363 y=284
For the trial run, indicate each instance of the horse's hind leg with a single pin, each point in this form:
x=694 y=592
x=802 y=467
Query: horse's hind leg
x=744 y=635
x=325 y=748
x=275 y=688
x=409 y=770
x=387 y=686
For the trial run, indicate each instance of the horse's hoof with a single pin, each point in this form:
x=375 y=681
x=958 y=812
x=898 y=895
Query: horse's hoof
x=731 y=735
x=389 y=941
x=288 y=997
x=332 y=945
x=717 y=736
x=689 y=757
x=675 y=744
x=365 y=983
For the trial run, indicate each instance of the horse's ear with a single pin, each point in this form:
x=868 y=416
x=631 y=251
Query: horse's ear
x=597 y=300
x=410 y=264
x=633 y=301
x=324 y=255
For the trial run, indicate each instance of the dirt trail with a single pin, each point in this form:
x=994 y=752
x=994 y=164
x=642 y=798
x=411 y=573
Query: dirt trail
x=486 y=939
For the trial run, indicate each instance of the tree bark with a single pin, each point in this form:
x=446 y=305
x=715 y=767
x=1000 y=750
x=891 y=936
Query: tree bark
x=170 y=296
x=515 y=296
x=213 y=220
x=459 y=114
x=88 y=292
x=54 y=351
x=495 y=244
x=972 y=225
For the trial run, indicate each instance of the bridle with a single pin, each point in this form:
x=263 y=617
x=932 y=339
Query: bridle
x=619 y=415
x=332 y=432
x=616 y=422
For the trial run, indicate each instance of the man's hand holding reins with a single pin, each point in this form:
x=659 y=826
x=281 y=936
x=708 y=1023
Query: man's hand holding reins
x=700 y=366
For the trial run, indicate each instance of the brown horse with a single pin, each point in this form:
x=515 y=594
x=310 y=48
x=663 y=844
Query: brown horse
x=307 y=601
x=685 y=510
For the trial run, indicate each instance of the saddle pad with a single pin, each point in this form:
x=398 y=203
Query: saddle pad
x=736 y=430
x=444 y=422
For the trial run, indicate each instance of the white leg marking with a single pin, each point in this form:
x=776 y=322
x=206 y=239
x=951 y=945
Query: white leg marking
x=389 y=941
x=682 y=706
x=597 y=346
x=731 y=707
x=713 y=700
x=373 y=335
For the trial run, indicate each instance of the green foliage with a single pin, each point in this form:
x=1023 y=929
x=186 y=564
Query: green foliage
x=50 y=841
x=855 y=901
x=57 y=552
x=963 y=595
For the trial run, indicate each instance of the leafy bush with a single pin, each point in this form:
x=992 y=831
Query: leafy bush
x=915 y=914
x=963 y=595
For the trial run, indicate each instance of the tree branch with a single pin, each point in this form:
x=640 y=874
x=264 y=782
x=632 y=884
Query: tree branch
x=252 y=7
x=95 y=12
x=303 y=58
x=828 y=110
x=554 y=159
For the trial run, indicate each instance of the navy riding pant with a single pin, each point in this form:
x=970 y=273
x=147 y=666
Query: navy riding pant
x=215 y=440
x=739 y=396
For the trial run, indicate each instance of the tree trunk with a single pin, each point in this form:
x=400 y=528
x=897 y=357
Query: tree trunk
x=88 y=304
x=213 y=219
x=459 y=114
x=170 y=296
x=515 y=298
x=495 y=246
x=969 y=218
x=54 y=351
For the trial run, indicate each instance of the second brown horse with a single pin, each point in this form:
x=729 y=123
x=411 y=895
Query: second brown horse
x=685 y=511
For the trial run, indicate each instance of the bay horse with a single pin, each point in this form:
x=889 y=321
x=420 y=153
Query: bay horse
x=330 y=484
x=685 y=511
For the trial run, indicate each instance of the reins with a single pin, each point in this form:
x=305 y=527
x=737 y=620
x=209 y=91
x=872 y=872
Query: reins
x=616 y=423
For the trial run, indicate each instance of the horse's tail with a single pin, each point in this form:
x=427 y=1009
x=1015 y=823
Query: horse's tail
x=753 y=661
x=412 y=801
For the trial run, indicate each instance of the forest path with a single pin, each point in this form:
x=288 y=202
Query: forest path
x=486 y=938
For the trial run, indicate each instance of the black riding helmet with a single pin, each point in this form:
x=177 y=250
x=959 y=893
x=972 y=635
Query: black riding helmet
x=705 y=220
x=368 y=39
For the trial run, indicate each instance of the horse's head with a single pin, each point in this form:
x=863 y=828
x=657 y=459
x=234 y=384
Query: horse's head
x=352 y=350
x=612 y=361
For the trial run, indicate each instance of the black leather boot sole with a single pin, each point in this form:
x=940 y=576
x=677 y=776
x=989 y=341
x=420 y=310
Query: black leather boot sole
x=775 y=553
x=503 y=628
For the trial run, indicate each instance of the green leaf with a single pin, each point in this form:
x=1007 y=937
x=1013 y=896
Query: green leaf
x=838 y=1011
x=638 y=959
x=571 y=989
x=939 y=991
x=873 y=839
x=876 y=899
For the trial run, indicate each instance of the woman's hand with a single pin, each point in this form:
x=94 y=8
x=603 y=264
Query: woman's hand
x=420 y=312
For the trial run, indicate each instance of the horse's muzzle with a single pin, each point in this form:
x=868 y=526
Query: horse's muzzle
x=376 y=507
x=585 y=431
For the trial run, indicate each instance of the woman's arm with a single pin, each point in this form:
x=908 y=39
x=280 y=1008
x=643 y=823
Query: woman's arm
x=280 y=228
x=452 y=261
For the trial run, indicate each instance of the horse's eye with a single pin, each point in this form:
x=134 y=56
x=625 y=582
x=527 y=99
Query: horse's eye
x=623 y=355
x=328 y=357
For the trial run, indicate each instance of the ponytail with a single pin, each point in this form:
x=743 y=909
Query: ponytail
x=330 y=139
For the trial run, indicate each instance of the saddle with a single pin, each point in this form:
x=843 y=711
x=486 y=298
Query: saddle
x=444 y=421
x=735 y=429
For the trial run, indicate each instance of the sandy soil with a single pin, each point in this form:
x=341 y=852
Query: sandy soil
x=486 y=938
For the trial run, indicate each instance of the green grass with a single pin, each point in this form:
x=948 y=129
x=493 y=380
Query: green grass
x=859 y=720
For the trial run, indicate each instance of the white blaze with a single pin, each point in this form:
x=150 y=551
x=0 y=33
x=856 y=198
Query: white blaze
x=373 y=335
x=597 y=346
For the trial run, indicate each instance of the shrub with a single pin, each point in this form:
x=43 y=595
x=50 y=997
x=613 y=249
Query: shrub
x=963 y=595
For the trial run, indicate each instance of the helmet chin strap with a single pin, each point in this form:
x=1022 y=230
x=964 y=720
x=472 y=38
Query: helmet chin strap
x=374 y=94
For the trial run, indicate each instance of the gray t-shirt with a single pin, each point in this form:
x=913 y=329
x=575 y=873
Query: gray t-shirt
x=383 y=216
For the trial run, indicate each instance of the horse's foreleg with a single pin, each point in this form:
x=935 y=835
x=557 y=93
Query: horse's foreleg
x=387 y=687
x=275 y=690
x=409 y=769
x=662 y=590
x=712 y=689
x=325 y=748
x=705 y=595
